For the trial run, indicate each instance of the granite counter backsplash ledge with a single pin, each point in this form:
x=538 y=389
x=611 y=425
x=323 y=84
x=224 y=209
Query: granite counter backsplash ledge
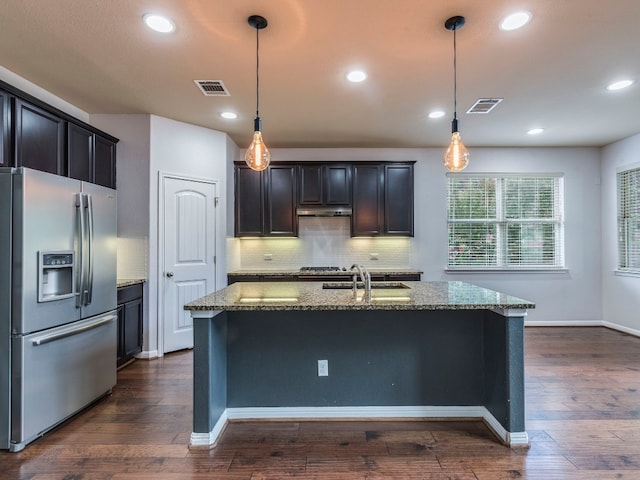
x=320 y=273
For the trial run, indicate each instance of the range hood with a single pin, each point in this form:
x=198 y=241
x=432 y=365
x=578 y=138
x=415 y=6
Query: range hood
x=323 y=211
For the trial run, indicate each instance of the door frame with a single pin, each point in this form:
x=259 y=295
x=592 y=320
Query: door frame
x=162 y=176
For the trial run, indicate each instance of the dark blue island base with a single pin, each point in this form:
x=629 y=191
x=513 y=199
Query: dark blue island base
x=443 y=363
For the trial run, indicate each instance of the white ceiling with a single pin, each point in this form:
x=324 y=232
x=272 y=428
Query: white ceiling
x=97 y=55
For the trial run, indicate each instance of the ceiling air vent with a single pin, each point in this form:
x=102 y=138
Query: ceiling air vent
x=484 y=105
x=212 y=88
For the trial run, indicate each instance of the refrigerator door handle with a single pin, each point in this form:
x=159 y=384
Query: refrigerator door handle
x=80 y=244
x=90 y=250
x=69 y=333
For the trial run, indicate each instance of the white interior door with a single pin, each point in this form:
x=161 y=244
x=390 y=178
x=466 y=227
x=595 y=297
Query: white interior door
x=189 y=254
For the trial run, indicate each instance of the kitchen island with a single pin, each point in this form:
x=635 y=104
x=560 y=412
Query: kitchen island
x=408 y=350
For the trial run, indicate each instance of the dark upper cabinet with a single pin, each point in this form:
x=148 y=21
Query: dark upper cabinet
x=325 y=184
x=367 y=217
x=280 y=200
x=36 y=135
x=380 y=194
x=249 y=202
x=5 y=137
x=104 y=151
x=80 y=152
x=90 y=156
x=382 y=200
x=398 y=200
x=265 y=202
x=38 y=138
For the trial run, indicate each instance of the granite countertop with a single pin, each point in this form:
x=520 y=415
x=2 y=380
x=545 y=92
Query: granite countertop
x=262 y=296
x=321 y=273
x=127 y=282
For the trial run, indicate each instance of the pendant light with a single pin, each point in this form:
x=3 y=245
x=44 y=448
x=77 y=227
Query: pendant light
x=257 y=156
x=456 y=157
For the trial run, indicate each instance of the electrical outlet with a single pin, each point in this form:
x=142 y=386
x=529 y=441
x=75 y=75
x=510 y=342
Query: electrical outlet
x=323 y=368
x=374 y=256
x=268 y=257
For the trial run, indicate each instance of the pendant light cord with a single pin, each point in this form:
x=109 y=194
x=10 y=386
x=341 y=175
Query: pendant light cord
x=257 y=72
x=455 y=77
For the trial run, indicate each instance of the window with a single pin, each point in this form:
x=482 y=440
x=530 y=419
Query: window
x=505 y=221
x=629 y=220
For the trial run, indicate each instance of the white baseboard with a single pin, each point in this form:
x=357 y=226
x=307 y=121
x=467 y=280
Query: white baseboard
x=361 y=413
x=584 y=323
x=209 y=440
x=564 y=323
x=621 y=328
x=148 y=354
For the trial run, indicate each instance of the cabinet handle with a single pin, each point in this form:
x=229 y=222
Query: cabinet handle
x=169 y=274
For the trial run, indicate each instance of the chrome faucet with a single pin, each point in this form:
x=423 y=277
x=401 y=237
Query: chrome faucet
x=366 y=279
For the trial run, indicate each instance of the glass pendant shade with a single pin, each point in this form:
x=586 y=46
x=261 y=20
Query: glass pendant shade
x=257 y=156
x=456 y=158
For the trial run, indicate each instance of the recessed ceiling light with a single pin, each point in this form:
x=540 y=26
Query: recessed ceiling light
x=159 y=23
x=535 y=131
x=436 y=114
x=356 y=76
x=515 y=20
x=619 y=85
x=229 y=115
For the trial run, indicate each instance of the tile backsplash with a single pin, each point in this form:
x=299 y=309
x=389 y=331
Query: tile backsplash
x=322 y=241
x=132 y=258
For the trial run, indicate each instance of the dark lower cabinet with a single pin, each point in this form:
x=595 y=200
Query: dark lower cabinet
x=38 y=138
x=130 y=316
x=375 y=276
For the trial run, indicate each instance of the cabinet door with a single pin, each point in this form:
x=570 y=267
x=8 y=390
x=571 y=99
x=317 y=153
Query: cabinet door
x=132 y=328
x=104 y=162
x=367 y=216
x=80 y=152
x=5 y=138
x=311 y=188
x=280 y=212
x=120 y=350
x=38 y=138
x=398 y=200
x=249 y=205
x=337 y=182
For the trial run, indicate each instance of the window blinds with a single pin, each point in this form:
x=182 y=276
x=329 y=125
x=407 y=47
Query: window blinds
x=629 y=220
x=505 y=222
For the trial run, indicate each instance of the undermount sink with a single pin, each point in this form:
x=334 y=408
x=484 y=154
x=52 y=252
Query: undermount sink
x=374 y=285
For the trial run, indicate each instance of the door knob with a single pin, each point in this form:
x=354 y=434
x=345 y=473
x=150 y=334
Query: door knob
x=169 y=274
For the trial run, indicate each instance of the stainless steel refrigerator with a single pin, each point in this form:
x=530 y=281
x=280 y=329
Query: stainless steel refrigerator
x=58 y=319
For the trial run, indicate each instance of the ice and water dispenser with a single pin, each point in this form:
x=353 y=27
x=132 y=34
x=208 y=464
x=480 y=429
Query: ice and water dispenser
x=55 y=275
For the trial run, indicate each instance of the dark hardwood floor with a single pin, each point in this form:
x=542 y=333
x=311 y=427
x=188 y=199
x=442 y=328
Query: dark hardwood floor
x=583 y=418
